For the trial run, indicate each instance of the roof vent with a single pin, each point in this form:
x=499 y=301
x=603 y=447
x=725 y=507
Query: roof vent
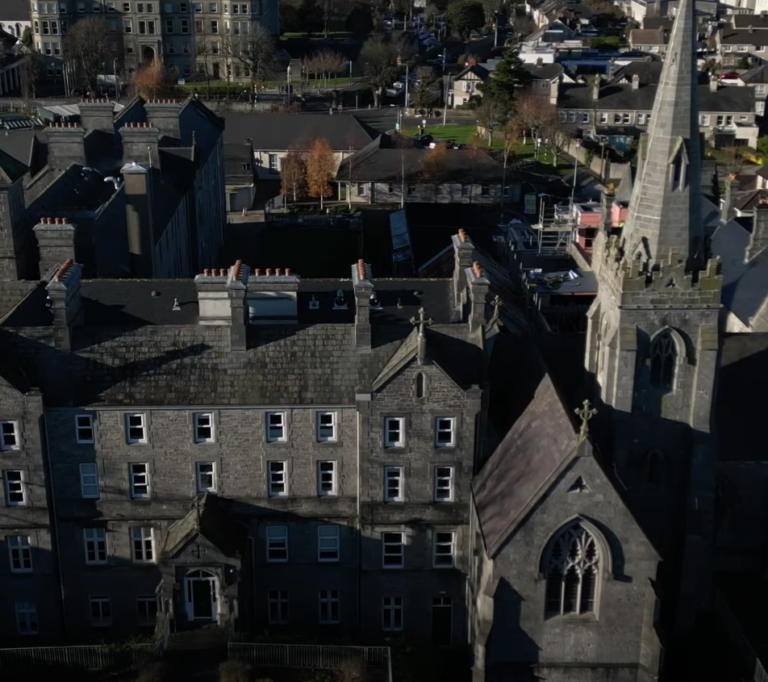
x=399 y=304
x=176 y=307
x=374 y=304
x=155 y=293
x=314 y=304
x=338 y=302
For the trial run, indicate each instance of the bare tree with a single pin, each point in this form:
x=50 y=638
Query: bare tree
x=30 y=73
x=557 y=135
x=88 y=47
x=529 y=112
x=491 y=115
x=293 y=174
x=203 y=49
x=255 y=50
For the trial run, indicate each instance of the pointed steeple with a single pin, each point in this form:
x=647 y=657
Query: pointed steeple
x=665 y=207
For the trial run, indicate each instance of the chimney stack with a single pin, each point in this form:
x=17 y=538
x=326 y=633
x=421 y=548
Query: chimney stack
x=635 y=81
x=727 y=209
x=140 y=144
x=464 y=252
x=478 y=290
x=221 y=301
x=758 y=240
x=65 y=145
x=97 y=114
x=273 y=297
x=363 y=287
x=64 y=293
x=163 y=114
x=713 y=84
x=56 y=243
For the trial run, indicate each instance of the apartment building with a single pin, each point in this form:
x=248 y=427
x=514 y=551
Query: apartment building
x=188 y=37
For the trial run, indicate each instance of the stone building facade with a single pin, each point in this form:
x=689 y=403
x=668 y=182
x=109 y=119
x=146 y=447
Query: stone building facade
x=190 y=38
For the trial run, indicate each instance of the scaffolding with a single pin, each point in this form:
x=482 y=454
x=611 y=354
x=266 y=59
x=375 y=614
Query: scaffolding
x=554 y=229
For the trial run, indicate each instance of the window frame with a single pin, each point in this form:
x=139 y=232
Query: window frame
x=283 y=437
x=335 y=536
x=197 y=418
x=444 y=472
x=556 y=567
x=22 y=607
x=150 y=620
x=21 y=546
x=84 y=484
x=95 y=536
x=400 y=497
x=4 y=446
x=333 y=492
x=452 y=431
x=102 y=622
x=326 y=600
x=271 y=492
x=390 y=542
x=277 y=534
x=130 y=440
x=281 y=600
x=438 y=542
x=333 y=437
x=388 y=422
x=22 y=481
x=391 y=608
x=147 y=555
x=132 y=481
x=201 y=489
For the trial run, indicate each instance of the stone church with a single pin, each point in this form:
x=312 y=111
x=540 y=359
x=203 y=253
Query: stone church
x=371 y=457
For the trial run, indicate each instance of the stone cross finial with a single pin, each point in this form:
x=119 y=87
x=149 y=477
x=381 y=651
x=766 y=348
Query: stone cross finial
x=585 y=413
x=421 y=321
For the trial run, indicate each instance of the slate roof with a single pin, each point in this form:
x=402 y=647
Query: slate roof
x=739 y=411
x=648 y=36
x=19 y=144
x=758 y=74
x=213 y=523
x=658 y=22
x=14 y=10
x=537 y=446
x=279 y=132
x=379 y=162
x=548 y=72
x=621 y=97
x=731 y=36
x=10 y=168
x=481 y=72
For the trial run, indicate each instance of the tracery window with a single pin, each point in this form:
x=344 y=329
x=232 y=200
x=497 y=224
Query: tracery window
x=663 y=358
x=572 y=570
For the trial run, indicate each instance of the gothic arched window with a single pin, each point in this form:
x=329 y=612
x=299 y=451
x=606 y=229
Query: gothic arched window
x=420 y=385
x=571 y=568
x=663 y=360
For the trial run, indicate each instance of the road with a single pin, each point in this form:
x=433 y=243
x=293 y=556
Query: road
x=384 y=119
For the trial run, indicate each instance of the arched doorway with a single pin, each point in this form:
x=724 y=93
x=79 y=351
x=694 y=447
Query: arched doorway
x=201 y=588
x=147 y=55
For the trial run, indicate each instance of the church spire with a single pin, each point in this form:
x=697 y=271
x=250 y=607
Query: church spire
x=665 y=206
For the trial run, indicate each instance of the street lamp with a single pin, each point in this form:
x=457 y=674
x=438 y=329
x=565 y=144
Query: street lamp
x=575 y=172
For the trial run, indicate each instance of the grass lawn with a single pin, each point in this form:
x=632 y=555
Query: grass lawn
x=467 y=134
x=220 y=87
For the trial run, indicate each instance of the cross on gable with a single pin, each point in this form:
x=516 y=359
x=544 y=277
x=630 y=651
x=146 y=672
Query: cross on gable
x=199 y=551
x=585 y=413
x=421 y=322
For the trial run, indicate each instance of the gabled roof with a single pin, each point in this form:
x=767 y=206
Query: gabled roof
x=10 y=169
x=759 y=74
x=481 y=72
x=280 y=132
x=537 y=447
x=730 y=36
x=213 y=523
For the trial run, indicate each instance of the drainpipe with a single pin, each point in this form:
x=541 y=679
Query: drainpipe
x=54 y=525
x=359 y=529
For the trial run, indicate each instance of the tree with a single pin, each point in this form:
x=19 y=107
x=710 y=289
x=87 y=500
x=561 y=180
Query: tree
x=557 y=134
x=293 y=175
x=425 y=92
x=491 y=115
x=26 y=37
x=150 y=81
x=203 y=49
x=433 y=163
x=466 y=16
x=328 y=62
x=528 y=113
x=88 y=47
x=320 y=168
x=255 y=50
x=505 y=81
x=31 y=68
x=359 y=22
x=379 y=59
x=311 y=16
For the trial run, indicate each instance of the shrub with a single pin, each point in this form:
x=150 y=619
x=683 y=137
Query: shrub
x=352 y=671
x=234 y=671
x=154 y=671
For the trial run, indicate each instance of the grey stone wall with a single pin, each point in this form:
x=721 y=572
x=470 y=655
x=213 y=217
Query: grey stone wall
x=617 y=642
x=31 y=520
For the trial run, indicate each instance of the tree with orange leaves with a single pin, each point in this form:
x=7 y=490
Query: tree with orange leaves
x=150 y=81
x=320 y=169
